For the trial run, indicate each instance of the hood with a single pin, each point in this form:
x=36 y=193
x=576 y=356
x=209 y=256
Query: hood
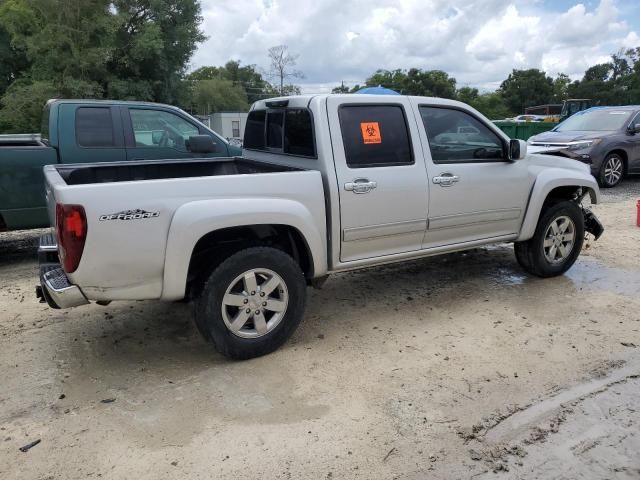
x=565 y=137
x=545 y=161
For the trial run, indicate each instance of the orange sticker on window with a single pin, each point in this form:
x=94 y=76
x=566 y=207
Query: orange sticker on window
x=371 y=132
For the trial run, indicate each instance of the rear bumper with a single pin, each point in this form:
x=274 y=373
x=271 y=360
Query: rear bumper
x=55 y=288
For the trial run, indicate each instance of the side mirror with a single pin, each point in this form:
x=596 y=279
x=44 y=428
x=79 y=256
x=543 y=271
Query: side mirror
x=517 y=150
x=633 y=129
x=201 y=144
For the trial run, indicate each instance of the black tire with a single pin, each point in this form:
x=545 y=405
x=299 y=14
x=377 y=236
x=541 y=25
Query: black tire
x=611 y=171
x=209 y=305
x=531 y=254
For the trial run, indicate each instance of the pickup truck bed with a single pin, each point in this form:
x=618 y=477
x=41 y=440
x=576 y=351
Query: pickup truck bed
x=155 y=170
x=188 y=198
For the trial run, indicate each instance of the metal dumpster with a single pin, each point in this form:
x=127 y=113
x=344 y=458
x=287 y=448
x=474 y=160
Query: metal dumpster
x=523 y=130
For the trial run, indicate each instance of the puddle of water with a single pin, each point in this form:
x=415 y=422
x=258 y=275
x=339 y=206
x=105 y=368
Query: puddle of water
x=586 y=273
x=597 y=276
x=509 y=277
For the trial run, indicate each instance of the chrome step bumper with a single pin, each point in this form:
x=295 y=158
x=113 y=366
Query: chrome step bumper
x=55 y=287
x=48 y=249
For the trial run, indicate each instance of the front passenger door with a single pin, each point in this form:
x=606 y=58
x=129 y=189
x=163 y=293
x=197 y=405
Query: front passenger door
x=476 y=192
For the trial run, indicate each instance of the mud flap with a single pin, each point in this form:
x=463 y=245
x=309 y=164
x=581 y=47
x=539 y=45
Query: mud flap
x=592 y=224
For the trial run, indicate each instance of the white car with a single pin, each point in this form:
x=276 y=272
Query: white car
x=528 y=118
x=326 y=183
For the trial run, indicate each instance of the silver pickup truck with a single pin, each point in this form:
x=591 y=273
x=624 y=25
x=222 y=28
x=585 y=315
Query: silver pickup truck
x=326 y=184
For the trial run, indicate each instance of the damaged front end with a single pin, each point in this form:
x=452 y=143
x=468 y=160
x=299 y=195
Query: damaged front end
x=591 y=223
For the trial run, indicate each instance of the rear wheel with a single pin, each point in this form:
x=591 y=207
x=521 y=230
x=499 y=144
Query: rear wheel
x=611 y=171
x=557 y=241
x=252 y=303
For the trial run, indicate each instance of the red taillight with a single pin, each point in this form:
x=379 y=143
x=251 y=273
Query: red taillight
x=71 y=227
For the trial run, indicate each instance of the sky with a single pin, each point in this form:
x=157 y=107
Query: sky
x=478 y=42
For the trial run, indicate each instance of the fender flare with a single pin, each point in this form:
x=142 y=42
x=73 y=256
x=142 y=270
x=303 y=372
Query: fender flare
x=194 y=220
x=546 y=181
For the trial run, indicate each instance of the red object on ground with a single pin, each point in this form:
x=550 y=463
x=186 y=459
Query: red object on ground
x=638 y=219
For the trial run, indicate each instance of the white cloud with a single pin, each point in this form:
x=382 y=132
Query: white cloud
x=477 y=41
x=632 y=40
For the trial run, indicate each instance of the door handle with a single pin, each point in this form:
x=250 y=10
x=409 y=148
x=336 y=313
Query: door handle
x=360 y=185
x=446 y=179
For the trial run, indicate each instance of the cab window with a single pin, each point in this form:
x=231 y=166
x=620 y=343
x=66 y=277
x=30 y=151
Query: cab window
x=94 y=127
x=157 y=128
x=457 y=137
x=375 y=136
x=288 y=131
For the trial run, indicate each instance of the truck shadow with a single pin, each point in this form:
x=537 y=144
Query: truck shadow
x=126 y=336
x=20 y=246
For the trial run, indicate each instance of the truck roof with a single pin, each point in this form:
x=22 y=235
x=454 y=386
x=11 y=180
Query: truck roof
x=301 y=101
x=108 y=102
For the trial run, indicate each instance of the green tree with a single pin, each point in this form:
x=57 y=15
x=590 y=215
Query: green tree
x=342 y=88
x=287 y=90
x=218 y=94
x=429 y=83
x=13 y=61
x=526 y=88
x=392 y=79
x=64 y=40
x=467 y=94
x=122 y=49
x=491 y=105
x=247 y=77
x=23 y=104
x=633 y=80
x=153 y=43
x=561 y=88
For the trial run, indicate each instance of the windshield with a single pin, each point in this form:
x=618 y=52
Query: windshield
x=595 y=121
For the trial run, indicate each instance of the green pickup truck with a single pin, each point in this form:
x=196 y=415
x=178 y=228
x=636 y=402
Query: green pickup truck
x=91 y=131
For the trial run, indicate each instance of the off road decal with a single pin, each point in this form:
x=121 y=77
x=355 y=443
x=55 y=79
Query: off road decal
x=136 y=214
x=371 y=132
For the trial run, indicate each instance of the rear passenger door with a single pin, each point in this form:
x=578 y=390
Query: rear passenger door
x=91 y=133
x=381 y=177
x=152 y=134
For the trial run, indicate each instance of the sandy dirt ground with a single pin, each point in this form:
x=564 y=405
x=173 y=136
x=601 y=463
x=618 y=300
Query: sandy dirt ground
x=458 y=366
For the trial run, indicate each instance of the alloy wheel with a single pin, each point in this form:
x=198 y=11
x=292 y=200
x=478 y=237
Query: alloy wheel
x=255 y=303
x=559 y=240
x=613 y=170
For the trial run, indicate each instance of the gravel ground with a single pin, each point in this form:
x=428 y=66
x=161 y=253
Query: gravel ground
x=458 y=366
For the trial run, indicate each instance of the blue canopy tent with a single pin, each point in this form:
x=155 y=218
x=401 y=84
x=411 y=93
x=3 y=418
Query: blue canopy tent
x=379 y=90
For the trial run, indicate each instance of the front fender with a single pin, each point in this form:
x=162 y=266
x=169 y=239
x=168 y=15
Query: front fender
x=194 y=220
x=546 y=181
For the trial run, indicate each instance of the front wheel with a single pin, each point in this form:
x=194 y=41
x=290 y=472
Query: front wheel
x=611 y=171
x=557 y=241
x=252 y=303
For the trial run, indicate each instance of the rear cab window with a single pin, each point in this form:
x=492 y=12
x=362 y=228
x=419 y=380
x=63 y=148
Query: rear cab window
x=94 y=127
x=287 y=131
